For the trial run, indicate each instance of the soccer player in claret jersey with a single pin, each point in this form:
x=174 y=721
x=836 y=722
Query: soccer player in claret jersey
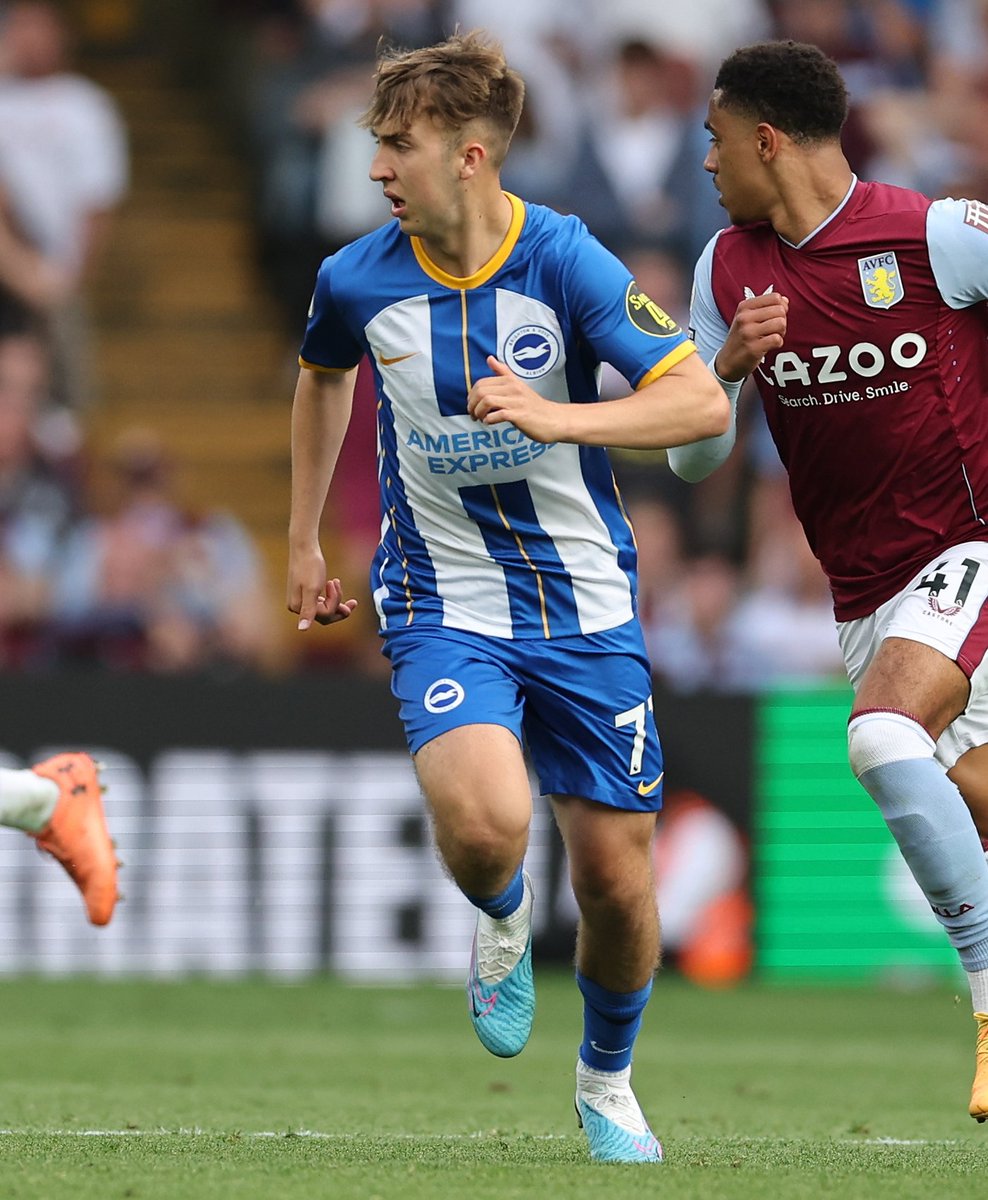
x=859 y=310
x=505 y=577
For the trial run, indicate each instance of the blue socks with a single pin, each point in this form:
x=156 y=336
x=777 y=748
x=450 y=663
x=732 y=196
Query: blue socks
x=611 y=1021
x=504 y=903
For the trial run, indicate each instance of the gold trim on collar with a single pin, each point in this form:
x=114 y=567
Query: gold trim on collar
x=493 y=264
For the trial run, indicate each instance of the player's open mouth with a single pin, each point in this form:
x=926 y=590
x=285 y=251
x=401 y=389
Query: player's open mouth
x=397 y=204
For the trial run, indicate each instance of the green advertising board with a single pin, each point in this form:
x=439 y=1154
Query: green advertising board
x=833 y=898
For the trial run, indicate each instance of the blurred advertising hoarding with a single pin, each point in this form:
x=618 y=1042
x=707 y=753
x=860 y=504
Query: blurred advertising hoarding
x=834 y=899
x=276 y=826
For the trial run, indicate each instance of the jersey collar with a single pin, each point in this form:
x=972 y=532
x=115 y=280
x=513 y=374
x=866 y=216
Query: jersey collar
x=493 y=264
x=823 y=224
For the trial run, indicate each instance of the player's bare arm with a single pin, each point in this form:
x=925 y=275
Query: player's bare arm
x=758 y=328
x=683 y=405
x=320 y=416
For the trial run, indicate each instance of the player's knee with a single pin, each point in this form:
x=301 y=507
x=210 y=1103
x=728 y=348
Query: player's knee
x=607 y=883
x=480 y=842
x=876 y=739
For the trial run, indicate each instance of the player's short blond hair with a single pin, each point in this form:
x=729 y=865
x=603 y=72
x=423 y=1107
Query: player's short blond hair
x=455 y=82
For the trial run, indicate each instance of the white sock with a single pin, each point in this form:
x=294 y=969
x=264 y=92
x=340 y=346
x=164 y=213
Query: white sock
x=892 y=756
x=517 y=922
x=27 y=800
x=979 y=990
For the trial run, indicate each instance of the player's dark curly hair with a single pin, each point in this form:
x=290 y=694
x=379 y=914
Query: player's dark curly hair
x=791 y=85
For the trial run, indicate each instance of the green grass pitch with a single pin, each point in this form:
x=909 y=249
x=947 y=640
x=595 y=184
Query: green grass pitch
x=189 y=1091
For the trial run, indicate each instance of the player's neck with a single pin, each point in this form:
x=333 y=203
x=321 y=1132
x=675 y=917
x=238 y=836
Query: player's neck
x=473 y=238
x=808 y=196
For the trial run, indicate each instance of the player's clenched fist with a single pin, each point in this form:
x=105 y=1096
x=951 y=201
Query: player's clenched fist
x=758 y=328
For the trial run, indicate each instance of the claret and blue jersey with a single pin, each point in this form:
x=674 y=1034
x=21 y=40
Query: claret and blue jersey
x=484 y=529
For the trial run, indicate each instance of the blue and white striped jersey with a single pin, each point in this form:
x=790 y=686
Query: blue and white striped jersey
x=482 y=528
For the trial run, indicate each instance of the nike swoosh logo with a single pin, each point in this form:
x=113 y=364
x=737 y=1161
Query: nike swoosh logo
x=390 y=362
x=601 y=1050
x=645 y=789
x=483 y=1005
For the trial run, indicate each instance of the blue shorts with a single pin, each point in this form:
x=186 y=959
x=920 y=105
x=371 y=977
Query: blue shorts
x=583 y=705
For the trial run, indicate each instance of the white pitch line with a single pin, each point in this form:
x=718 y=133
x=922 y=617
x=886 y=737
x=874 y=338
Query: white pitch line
x=319 y=1135
x=265 y=1133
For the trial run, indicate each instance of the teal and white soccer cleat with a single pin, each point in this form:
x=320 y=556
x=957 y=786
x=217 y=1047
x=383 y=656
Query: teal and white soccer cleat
x=500 y=987
x=612 y=1119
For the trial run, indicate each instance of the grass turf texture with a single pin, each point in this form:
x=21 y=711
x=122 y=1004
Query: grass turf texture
x=189 y=1091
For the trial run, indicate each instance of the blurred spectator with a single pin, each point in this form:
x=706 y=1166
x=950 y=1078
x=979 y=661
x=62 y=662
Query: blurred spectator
x=701 y=31
x=550 y=44
x=958 y=76
x=31 y=286
x=893 y=132
x=311 y=74
x=37 y=502
x=347 y=203
x=149 y=584
x=625 y=182
x=63 y=166
x=783 y=628
x=688 y=635
x=569 y=28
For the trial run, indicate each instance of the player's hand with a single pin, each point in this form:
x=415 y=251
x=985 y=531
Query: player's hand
x=504 y=397
x=314 y=597
x=758 y=328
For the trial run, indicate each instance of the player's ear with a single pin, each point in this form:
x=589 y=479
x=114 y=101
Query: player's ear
x=768 y=140
x=474 y=154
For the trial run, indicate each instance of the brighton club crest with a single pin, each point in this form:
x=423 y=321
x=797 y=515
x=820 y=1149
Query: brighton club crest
x=880 y=279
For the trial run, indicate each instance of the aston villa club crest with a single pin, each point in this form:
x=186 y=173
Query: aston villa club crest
x=881 y=281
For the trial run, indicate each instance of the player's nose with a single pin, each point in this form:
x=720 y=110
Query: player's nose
x=379 y=169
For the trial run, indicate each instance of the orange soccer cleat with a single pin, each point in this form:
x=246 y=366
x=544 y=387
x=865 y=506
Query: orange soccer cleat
x=979 y=1092
x=77 y=834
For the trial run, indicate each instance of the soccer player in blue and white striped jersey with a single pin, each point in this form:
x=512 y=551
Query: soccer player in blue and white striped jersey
x=505 y=578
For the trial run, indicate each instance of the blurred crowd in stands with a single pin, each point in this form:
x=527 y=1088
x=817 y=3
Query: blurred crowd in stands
x=612 y=131
x=127 y=578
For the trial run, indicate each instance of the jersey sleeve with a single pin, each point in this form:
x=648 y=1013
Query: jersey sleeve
x=957 y=240
x=625 y=327
x=709 y=330
x=328 y=344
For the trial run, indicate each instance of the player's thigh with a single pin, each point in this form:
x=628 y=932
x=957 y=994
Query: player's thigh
x=589 y=721
x=915 y=678
x=461 y=706
x=476 y=784
x=921 y=650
